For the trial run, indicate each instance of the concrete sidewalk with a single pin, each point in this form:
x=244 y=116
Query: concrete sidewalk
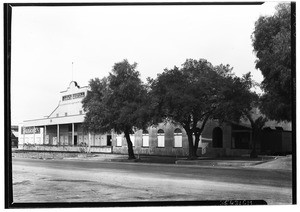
x=264 y=162
x=216 y=162
x=268 y=162
x=201 y=161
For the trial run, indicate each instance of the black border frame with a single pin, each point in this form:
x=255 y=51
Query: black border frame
x=7 y=8
x=293 y=84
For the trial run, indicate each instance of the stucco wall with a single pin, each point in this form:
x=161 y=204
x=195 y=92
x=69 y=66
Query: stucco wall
x=169 y=148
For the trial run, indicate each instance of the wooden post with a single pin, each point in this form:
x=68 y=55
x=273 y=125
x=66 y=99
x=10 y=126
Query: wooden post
x=24 y=136
x=57 y=140
x=34 y=135
x=45 y=134
x=73 y=134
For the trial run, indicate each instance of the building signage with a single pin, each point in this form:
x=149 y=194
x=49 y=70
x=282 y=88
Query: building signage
x=30 y=130
x=73 y=96
x=78 y=95
x=67 y=97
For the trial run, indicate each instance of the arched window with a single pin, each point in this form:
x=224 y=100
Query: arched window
x=177 y=138
x=145 y=138
x=160 y=131
x=177 y=130
x=160 y=138
x=217 y=138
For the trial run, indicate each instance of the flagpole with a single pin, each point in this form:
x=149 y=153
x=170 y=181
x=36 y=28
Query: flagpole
x=72 y=72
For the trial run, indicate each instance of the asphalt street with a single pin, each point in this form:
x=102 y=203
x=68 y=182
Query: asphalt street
x=64 y=180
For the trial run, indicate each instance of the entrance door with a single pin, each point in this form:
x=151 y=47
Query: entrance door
x=75 y=140
x=217 y=141
x=108 y=140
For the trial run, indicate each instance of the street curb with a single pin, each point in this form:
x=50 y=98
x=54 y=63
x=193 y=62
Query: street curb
x=219 y=163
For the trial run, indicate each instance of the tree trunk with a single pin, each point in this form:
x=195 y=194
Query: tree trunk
x=197 y=139
x=192 y=155
x=198 y=131
x=129 y=145
x=253 y=153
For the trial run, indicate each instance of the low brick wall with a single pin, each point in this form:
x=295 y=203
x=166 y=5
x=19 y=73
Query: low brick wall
x=215 y=152
x=48 y=155
x=165 y=151
x=93 y=149
x=237 y=152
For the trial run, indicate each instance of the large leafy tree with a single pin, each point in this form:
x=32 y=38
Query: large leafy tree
x=242 y=103
x=272 y=44
x=119 y=102
x=189 y=96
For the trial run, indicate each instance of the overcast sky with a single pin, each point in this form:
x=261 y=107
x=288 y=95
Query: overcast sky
x=46 y=40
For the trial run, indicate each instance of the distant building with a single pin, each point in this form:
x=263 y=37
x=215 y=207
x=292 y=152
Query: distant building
x=62 y=131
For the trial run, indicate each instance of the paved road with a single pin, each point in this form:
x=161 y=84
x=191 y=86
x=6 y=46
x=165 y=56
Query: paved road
x=97 y=181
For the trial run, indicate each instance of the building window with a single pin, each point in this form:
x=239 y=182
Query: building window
x=145 y=138
x=97 y=141
x=47 y=139
x=177 y=138
x=217 y=137
x=54 y=140
x=160 y=138
x=119 y=140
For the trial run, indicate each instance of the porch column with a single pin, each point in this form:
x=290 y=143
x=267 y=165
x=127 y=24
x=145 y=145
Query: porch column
x=24 y=131
x=34 y=135
x=45 y=134
x=57 y=140
x=73 y=134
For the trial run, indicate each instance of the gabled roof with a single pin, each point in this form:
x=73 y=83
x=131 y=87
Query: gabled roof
x=69 y=109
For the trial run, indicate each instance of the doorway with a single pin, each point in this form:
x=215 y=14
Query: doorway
x=217 y=141
x=75 y=140
x=108 y=140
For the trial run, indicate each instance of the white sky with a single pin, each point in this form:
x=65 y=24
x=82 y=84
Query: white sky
x=46 y=40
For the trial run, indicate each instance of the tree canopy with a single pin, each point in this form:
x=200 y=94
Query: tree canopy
x=241 y=104
x=272 y=44
x=119 y=102
x=189 y=96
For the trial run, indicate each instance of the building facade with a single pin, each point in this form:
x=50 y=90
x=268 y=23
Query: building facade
x=62 y=131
